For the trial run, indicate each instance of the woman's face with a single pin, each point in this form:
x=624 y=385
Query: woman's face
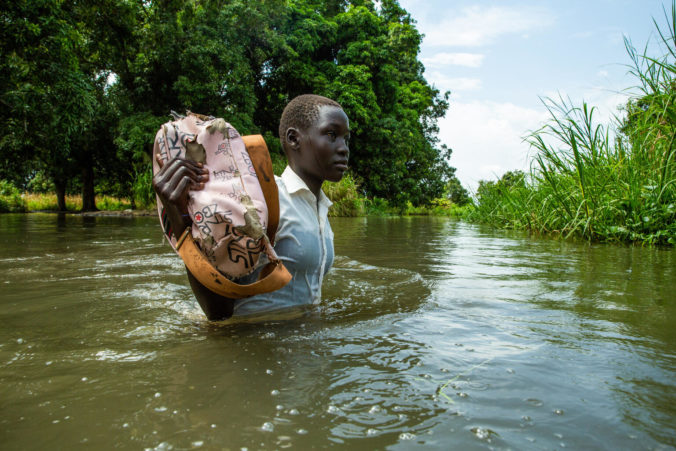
x=324 y=148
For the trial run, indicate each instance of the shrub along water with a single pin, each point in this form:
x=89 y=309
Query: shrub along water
x=143 y=195
x=11 y=200
x=347 y=201
x=48 y=202
x=586 y=181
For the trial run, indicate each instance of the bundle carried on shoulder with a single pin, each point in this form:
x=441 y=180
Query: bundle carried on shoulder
x=235 y=216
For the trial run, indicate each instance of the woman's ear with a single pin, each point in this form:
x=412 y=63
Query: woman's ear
x=293 y=138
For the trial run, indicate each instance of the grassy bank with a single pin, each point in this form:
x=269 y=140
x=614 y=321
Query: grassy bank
x=345 y=195
x=348 y=201
x=17 y=202
x=614 y=182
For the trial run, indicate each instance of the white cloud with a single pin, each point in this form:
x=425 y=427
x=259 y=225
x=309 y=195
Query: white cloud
x=453 y=84
x=608 y=104
x=478 y=26
x=454 y=59
x=487 y=138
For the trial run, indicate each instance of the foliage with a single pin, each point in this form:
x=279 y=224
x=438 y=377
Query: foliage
x=48 y=202
x=457 y=193
x=85 y=85
x=377 y=206
x=46 y=95
x=585 y=183
x=40 y=183
x=441 y=206
x=143 y=195
x=110 y=203
x=499 y=202
x=345 y=197
x=366 y=59
x=10 y=198
x=278 y=163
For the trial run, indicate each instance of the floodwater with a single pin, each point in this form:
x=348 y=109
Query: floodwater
x=432 y=333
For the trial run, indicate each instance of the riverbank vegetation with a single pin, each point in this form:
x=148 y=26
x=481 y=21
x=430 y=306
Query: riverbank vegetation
x=347 y=196
x=614 y=182
x=13 y=201
x=85 y=86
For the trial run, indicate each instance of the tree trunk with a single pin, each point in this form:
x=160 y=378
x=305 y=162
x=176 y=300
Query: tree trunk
x=88 y=196
x=60 y=188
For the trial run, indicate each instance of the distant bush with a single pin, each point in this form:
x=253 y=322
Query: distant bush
x=439 y=207
x=108 y=203
x=278 y=163
x=47 y=202
x=11 y=200
x=347 y=201
x=142 y=190
x=40 y=183
x=378 y=206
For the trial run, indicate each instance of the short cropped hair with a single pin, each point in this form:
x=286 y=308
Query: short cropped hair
x=301 y=113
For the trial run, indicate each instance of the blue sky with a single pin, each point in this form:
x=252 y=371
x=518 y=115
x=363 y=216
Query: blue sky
x=499 y=57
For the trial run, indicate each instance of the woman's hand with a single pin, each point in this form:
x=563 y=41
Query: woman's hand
x=172 y=183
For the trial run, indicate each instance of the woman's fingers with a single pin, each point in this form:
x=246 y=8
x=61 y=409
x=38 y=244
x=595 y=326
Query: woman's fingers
x=177 y=163
x=172 y=183
x=177 y=177
x=176 y=169
x=180 y=191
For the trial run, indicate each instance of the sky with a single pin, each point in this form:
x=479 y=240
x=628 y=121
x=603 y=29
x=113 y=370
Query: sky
x=500 y=58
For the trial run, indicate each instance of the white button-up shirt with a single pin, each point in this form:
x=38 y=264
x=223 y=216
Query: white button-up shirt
x=304 y=243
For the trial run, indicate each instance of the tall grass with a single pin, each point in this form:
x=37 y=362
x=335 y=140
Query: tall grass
x=142 y=190
x=612 y=182
x=347 y=201
x=47 y=202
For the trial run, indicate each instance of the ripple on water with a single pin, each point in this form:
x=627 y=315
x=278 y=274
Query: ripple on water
x=355 y=289
x=574 y=352
x=125 y=356
x=484 y=433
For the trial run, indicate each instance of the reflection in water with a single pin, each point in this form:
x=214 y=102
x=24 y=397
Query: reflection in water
x=431 y=332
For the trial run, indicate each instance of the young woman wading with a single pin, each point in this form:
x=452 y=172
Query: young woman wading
x=314 y=132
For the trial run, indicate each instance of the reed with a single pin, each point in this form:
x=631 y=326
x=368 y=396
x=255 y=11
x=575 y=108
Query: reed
x=613 y=182
x=346 y=198
x=141 y=191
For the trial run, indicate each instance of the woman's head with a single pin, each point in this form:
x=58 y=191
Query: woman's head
x=315 y=133
x=300 y=113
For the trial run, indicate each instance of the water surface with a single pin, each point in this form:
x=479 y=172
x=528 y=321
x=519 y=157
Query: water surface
x=432 y=333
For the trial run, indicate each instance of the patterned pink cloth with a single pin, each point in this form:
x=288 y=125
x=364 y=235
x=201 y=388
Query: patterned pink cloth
x=229 y=215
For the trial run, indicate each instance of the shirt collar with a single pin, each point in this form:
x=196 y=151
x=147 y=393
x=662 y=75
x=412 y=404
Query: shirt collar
x=295 y=184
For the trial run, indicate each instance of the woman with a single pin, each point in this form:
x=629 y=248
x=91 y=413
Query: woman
x=314 y=132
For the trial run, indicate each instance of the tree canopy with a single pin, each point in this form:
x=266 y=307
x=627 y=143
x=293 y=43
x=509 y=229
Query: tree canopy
x=85 y=85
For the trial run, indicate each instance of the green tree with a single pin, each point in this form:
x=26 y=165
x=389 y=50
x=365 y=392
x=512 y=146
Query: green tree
x=457 y=193
x=366 y=58
x=86 y=84
x=47 y=98
x=215 y=57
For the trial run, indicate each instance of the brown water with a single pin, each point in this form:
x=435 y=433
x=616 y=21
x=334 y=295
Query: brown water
x=433 y=333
